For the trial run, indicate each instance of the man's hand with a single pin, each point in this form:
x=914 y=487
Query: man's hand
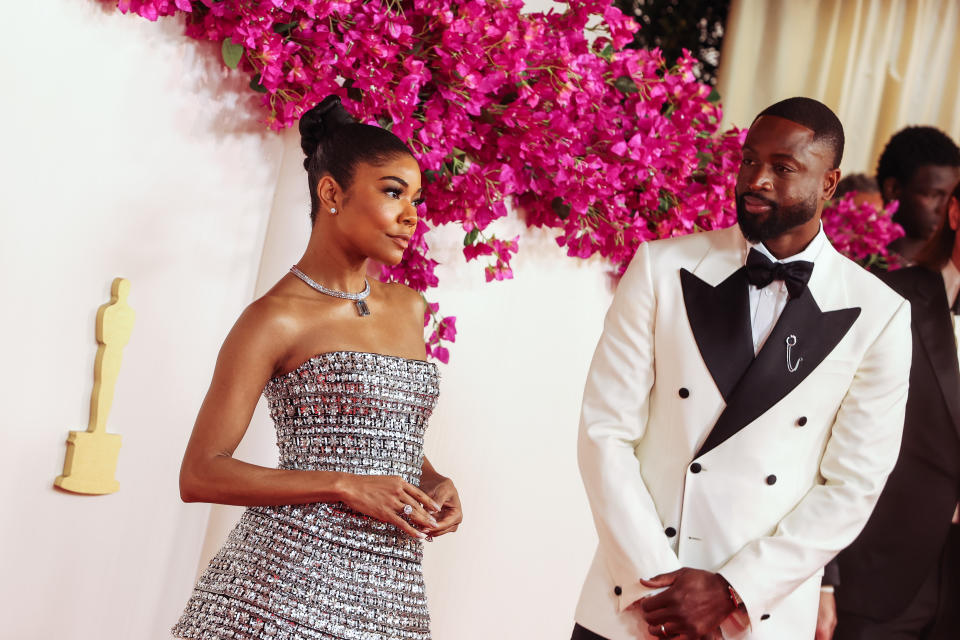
x=826 y=616
x=693 y=606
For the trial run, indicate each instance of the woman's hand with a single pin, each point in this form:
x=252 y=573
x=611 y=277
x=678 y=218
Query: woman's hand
x=384 y=498
x=441 y=490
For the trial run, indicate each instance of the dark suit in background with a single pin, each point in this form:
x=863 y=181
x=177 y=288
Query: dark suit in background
x=902 y=570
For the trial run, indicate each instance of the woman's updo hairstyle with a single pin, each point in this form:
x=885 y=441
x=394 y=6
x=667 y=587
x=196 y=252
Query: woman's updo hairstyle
x=335 y=143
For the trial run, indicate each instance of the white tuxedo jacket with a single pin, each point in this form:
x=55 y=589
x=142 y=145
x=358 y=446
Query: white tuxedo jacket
x=695 y=453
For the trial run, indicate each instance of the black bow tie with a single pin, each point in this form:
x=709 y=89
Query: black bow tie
x=761 y=272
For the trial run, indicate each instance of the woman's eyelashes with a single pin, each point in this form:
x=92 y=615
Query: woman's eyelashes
x=396 y=193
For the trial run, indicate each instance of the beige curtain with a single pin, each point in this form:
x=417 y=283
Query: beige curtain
x=879 y=64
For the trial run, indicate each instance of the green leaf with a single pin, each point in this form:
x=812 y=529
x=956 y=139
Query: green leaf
x=471 y=237
x=714 y=96
x=607 y=53
x=284 y=27
x=626 y=84
x=255 y=84
x=431 y=175
x=560 y=208
x=664 y=203
x=231 y=53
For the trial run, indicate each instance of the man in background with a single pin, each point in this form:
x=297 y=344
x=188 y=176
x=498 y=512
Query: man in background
x=899 y=579
x=920 y=166
x=864 y=188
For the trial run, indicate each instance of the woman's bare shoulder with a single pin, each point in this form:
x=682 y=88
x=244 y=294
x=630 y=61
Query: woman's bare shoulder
x=403 y=299
x=269 y=326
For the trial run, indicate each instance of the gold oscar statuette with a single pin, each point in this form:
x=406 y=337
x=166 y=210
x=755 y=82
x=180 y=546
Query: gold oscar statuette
x=91 y=461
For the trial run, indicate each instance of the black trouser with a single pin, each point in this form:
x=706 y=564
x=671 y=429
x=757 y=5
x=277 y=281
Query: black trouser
x=579 y=633
x=933 y=614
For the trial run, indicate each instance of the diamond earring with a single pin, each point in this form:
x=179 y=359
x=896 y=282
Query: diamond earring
x=333 y=211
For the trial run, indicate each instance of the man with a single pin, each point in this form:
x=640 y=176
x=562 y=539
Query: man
x=899 y=578
x=919 y=167
x=863 y=187
x=743 y=408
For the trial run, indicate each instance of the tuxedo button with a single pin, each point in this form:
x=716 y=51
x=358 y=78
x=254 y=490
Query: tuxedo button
x=765 y=616
x=670 y=531
x=617 y=590
x=684 y=392
x=695 y=467
x=802 y=421
x=771 y=479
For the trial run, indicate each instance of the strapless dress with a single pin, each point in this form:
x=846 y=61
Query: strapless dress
x=322 y=571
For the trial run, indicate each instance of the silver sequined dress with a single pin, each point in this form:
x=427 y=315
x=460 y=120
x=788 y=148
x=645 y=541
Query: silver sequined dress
x=322 y=571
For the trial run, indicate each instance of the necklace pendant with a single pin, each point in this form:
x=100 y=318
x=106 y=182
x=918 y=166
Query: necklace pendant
x=362 y=308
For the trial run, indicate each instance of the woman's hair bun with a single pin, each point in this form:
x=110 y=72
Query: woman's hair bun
x=320 y=122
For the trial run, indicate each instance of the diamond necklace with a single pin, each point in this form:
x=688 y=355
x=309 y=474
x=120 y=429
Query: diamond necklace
x=358 y=298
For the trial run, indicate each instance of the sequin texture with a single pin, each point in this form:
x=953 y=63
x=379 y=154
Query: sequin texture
x=322 y=571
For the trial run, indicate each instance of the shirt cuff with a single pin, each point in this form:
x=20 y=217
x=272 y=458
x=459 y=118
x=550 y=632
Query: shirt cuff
x=631 y=593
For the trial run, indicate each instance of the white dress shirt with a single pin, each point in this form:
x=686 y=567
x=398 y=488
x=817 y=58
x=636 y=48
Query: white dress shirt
x=951 y=280
x=767 y=304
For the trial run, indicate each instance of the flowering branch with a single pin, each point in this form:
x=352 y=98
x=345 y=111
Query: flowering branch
x=609 y=147
x=862 y=232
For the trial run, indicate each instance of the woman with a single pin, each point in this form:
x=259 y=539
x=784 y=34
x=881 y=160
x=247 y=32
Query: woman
x=331 y=544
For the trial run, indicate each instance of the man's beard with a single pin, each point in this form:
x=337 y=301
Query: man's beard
x=774 y=223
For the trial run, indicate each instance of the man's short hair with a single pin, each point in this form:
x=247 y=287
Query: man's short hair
x=915 y=147
x=813 y=115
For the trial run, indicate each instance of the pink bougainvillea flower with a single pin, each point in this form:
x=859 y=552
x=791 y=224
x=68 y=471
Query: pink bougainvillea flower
x=862 y=232
x=546 y=113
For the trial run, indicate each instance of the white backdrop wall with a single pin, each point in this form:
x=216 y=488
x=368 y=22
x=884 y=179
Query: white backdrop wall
x=129 y=151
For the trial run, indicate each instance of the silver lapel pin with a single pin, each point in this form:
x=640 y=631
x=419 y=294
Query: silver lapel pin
x=791 y=342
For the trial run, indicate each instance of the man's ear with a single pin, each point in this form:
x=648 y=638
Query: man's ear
x=890 y=189
x=830 y=181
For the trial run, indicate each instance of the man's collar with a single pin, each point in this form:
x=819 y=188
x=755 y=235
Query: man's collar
x=810 y=253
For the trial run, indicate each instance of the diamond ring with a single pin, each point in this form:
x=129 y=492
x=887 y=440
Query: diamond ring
x=407 y=509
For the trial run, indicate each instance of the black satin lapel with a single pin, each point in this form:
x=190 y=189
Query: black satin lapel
x=720 y=319
x=935 y=331
x=767 y=380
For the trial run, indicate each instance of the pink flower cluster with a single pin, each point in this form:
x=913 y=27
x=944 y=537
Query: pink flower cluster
x=548 y=112
x=862 y=232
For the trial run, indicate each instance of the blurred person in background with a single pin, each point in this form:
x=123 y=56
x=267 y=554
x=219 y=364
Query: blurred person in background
x=899 y=579
x=864 y=188
x=919 y=167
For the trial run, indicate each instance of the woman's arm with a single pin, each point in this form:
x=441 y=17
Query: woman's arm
x=438 y=487
x=209 y=472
